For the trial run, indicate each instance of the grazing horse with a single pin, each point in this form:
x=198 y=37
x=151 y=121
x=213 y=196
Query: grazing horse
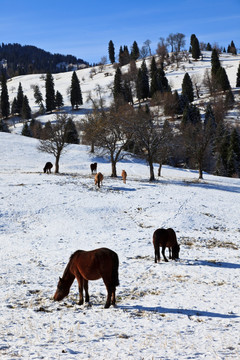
x=93 y=167
x=165 y=238
x=124 y=176
x=47 y=168
x=90 y=265
x=98 y=179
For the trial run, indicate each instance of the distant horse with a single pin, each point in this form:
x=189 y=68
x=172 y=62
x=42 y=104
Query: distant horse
x=93 y=167
x=98 y=179
x=124 y=176
x=90 y=265
x=165 y=238
x=47 y=168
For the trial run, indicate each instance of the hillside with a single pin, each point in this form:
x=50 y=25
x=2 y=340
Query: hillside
x=29 y=59
x=175 y=310
x=91 y=78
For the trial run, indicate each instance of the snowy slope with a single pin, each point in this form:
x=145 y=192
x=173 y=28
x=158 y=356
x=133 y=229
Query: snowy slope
x=187 y=309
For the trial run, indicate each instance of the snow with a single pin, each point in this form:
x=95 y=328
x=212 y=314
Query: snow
x=186 y=309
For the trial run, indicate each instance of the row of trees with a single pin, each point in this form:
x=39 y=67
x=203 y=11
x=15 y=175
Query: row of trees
x=22 y=60
x=53 y=99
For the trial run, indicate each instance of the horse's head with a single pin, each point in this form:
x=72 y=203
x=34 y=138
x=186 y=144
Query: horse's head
x=175 y=252
x=62 y=290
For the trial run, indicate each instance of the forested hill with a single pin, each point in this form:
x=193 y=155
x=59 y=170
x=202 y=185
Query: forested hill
x=27 y=59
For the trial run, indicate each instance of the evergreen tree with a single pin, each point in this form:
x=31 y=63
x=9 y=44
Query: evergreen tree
x=222 y=79
x=38 y=95
x=111 y=52
x=14 y=107
x=135 y=53
x=234 y=153
x=59 y=100
x=191 y=115
x=215 y=62
x=76 y=93
x=36 y=128
x=117 y=85
x=163 y=80
x=50 y=93
x=124 y=57
x=155 y=85
x=193 y=37
x=71 y=133
x=19 y=99
x=232 y=48
x=238 y=76
x=26 y=130
x=195 y=49
x=26 y=110
x=4 y=100
x=127 y=92
x=209 y=47
x=187 y=88
x=144 y=80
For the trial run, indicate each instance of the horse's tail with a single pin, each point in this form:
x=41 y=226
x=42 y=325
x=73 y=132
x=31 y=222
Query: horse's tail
x=98 y=180
x=115 y=279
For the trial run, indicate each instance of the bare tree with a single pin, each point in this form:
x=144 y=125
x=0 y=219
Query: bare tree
x=147 y=138
x=55 y=139
x=112 y=132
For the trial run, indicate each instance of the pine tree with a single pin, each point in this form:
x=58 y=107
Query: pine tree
x=191 y=115
x=4 y=100
x=145 y=81
x=215 y=62
x=26 y=110
x=111 y=52
x=222 y=79
x=209 y=47
x=117 y=85
x=38 y=95
x=71 y=132
x=187 y=88
x=14 y=107
x=155 y=85
x=76 y=94
x=238 y=76
x=50 y=93
x=59 y=100
x=195 y=49
x=135 y=53
x=26 y=131
x=19 y=99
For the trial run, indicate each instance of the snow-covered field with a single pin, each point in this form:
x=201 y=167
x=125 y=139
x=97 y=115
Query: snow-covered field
x=187 y=309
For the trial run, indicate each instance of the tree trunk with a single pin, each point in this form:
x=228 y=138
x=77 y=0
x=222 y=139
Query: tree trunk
x=92 y=147
x=152 y=177
x=57 y=164
x=159 y=169
x=114 y=169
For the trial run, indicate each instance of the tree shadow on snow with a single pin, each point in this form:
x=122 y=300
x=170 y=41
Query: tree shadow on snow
x=221 y=264
x=187 y=312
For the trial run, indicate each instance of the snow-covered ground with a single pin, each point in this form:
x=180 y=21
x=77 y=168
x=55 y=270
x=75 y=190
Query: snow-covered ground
x=187 y=309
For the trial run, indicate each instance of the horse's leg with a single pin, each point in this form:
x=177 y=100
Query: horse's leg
x=109 y=294
x=157 y=253
x=80 y=281
x=163 y=253
x=170 y=253
x=113 y=296
x=85 y=284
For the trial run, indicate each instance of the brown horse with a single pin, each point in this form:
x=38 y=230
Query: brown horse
x=165 y=238
x=124 y=176
x=93 y=167
x=47 y=168
x=98 y=179
x=90 y=265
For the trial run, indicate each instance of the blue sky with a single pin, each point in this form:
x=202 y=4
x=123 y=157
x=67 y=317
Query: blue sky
x=84 y=28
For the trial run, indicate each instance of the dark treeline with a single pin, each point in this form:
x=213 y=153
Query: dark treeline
x=22 y=60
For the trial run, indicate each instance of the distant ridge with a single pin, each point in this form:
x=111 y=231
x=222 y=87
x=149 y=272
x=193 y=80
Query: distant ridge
x=28 y=59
